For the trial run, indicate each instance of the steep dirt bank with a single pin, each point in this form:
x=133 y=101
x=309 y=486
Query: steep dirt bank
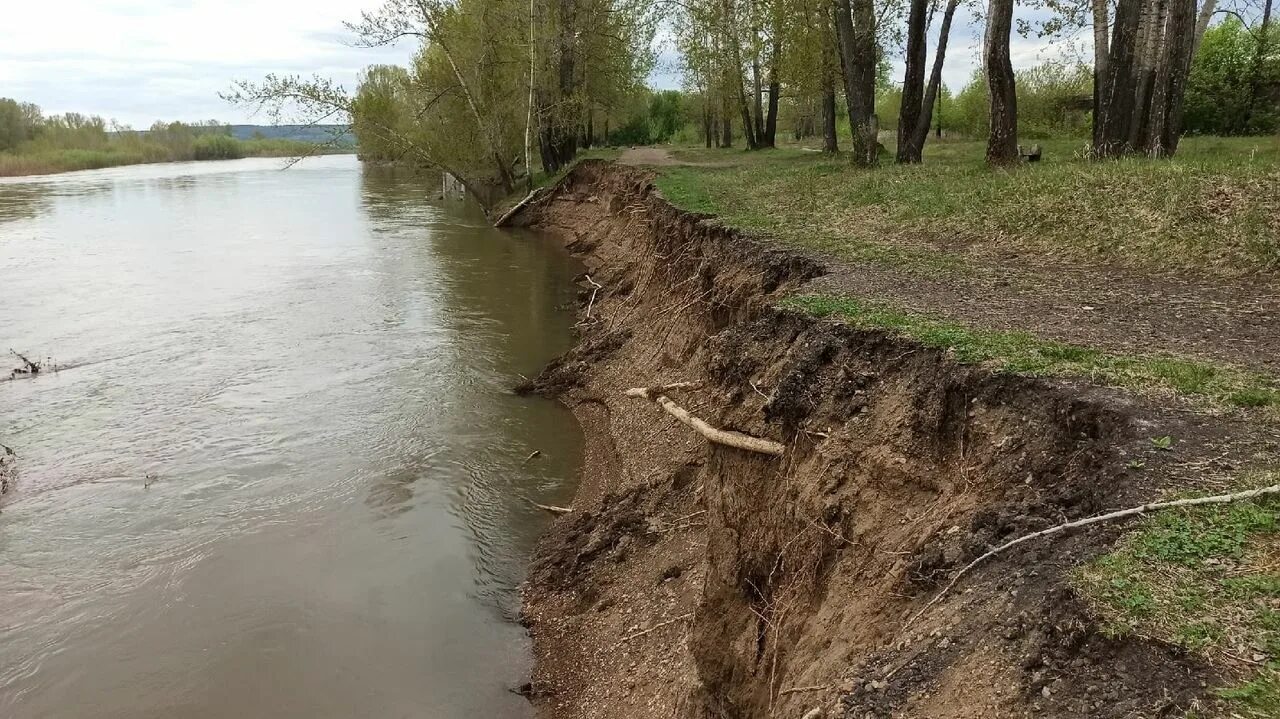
x=696 y=580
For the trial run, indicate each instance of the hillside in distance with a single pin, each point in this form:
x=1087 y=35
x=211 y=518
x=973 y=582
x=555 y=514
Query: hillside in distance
x=299 y=133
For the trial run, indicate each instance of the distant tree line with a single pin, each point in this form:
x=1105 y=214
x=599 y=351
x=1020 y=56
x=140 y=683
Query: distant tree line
x=31 y=141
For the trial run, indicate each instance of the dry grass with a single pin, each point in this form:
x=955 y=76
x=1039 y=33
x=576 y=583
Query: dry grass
x=1215 y=209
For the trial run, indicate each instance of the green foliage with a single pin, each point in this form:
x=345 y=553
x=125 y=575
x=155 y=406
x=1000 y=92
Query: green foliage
x=1220 y=83
x=18 y=123
x=666 y=114
x=217 y=147
x=380 y=112
x=1023 y=353
x=1054 y=100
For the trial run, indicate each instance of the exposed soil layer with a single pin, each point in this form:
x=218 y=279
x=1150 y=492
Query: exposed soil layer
x=698 y=580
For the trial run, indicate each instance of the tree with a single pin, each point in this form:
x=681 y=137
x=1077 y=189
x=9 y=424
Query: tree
x=17 y=122
x=855 y=28
x=380 y=112
x=916 y=115
x=1002 y=140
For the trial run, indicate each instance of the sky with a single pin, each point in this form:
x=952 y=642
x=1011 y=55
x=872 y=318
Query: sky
x=137 y=61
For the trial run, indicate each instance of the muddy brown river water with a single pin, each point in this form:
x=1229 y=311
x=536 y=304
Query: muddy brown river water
x=312 y=366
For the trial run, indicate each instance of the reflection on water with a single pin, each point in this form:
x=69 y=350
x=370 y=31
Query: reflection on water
x=314 y=364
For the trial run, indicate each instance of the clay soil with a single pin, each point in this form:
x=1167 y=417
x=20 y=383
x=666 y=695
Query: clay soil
x=696 y=580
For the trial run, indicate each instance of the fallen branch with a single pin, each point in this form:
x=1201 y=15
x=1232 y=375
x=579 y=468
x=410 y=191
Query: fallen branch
x=814 y=688
x=659 y=625
x=506 y=216
x=532 y=454
x=1131 y=512
x=592 y=302
x=549 y=507
x=728 y=438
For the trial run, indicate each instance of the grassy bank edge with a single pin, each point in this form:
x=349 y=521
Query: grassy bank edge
x=1211 y=386
x=1204 y=579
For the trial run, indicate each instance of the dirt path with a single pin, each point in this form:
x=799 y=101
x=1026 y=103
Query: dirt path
x=647 y=156
x=1235 y=322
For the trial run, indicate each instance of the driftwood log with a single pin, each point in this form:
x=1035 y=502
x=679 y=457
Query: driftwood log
x=725 y=437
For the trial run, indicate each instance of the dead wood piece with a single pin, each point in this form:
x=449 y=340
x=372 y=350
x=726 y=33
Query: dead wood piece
x=728 y=438
x=655 y=627
x=550 y=507
x=1120 y=514
x=506 y=216
x=595 y=289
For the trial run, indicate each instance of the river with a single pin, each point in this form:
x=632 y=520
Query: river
x=280 y=472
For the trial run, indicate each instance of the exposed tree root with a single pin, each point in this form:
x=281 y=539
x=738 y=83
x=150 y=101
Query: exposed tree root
x=728 y=438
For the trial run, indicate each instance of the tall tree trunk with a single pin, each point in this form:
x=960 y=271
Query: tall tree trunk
x=1207 y=8
x=1116 y=101
x=1002 y=143
x=726 y=123
x=913 y=83
x=1101 y=23
x=735 y=75
x=1150 y=42
x=855 y=28
x=1255 y=72
x=1171 y=79
x=830 y=140
x=758 y=85
x=768 y=138
x=748 y=125
x=931 y=92
x=707 y=123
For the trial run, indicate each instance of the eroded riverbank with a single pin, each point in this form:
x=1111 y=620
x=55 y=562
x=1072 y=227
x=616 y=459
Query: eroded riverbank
x=694 y=580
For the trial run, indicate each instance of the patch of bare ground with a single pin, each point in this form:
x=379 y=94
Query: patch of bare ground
x=698 y=580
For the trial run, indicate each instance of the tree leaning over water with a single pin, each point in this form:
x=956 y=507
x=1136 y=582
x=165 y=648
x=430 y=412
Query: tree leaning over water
x=490 y=78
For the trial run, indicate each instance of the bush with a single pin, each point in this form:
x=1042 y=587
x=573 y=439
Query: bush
x=1220 y=84
x=217 y=147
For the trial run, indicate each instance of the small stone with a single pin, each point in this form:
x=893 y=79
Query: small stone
x=1044 y=692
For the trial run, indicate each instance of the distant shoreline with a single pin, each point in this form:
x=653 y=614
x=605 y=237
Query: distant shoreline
x=12 y=165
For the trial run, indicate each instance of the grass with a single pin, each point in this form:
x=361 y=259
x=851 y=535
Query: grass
x=1206 y=579
x=1213 y=209
x=1023 y=353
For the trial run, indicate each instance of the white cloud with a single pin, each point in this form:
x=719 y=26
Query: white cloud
x=139 y=61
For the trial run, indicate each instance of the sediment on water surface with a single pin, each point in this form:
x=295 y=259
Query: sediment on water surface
x=694 y=579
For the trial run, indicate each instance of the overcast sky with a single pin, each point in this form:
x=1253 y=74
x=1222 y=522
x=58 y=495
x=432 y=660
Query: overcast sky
x=141 y=60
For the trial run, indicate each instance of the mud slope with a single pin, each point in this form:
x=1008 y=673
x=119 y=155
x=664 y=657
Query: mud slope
x=701 y=581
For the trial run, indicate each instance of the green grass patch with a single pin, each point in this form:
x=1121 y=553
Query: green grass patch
x=1023 y=353
x=1205 y=578
x=1212 y=209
